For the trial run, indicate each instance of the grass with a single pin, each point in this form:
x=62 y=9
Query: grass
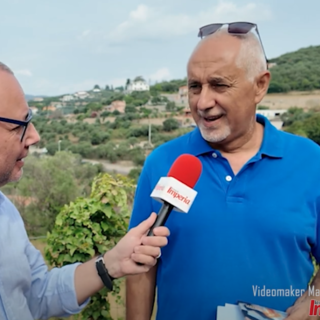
x=117 y=311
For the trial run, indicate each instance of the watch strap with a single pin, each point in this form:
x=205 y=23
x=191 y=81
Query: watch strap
x=103 y=273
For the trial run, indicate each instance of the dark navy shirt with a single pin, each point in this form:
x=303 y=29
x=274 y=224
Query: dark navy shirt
x=244 y=234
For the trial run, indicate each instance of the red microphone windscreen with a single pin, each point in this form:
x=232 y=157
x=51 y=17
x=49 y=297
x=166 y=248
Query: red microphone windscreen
x=187 y=169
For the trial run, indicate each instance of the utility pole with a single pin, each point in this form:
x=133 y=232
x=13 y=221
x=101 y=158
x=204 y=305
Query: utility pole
x=149 y=133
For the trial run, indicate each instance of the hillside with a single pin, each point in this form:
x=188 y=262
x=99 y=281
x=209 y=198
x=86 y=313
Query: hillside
x=296 y=71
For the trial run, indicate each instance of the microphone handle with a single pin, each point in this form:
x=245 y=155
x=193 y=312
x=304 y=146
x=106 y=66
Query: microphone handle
x=162 y=217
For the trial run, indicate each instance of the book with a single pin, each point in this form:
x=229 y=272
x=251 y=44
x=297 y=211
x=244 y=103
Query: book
x=248 y=311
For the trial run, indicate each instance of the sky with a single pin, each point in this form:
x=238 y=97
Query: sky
x=60 y=47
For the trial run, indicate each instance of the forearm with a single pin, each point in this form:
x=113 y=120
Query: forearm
x=87 y=280
x=140 y=294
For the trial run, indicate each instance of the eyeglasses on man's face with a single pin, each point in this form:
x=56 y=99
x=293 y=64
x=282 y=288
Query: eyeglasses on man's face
x=22 y=124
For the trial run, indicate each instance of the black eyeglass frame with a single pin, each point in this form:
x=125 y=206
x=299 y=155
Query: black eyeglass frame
x=239 y=27
x=24 y=124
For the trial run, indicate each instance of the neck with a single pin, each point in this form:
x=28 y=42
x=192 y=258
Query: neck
x=247 y=142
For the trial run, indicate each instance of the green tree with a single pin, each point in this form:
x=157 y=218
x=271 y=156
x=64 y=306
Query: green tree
x=94 y=106
x=311 y=126
x=91 y=226
x=135 y=174
x=139 y=78
x=297 y=128
x=170 y=124
x=293 y=114
x=170 y=106
x=47 y=185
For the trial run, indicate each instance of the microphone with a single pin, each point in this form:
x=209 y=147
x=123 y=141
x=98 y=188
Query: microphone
x=176 y=190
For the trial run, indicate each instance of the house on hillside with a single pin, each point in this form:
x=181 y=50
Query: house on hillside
x=82 y=94
x=67 y=98
x=37 y=99
x=271 y=64
x=271 y=114
x=34 y=110
x=117 y=105
x=49 y=108
x=138 y=84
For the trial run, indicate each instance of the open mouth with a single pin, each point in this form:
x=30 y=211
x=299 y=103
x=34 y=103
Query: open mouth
x=213 y=118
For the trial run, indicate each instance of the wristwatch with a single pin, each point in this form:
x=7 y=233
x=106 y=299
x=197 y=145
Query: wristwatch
x=103 y=273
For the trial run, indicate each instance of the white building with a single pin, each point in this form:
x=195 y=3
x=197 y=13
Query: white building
x=138 y=85
x=37 y=99
x=271 y=114
x=81 y=94
x=34 y=110
x=67 y=98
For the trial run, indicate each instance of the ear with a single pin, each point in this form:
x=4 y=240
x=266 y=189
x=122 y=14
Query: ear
x=262 y=85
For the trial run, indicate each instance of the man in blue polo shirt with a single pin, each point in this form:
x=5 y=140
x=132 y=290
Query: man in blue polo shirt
x=254 y=223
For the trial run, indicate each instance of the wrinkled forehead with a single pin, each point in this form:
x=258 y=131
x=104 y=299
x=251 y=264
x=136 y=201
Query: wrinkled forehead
x=215 y=57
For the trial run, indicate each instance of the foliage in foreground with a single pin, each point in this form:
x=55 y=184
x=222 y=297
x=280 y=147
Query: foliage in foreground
x=90 y=226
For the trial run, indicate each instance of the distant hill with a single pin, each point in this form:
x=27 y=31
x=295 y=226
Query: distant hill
x=30 y=97
x=296 y=71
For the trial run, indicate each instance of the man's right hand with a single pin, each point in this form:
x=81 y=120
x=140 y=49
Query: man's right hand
x=135 y=247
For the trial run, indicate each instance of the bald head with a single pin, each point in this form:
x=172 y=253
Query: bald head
x=244 y=50
x=5 y=68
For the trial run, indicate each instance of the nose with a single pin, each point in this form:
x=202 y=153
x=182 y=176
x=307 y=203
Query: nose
x=206 y=99
x=32 y=135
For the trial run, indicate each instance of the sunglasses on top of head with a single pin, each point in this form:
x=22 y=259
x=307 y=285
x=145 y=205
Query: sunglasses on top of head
x=233 y=28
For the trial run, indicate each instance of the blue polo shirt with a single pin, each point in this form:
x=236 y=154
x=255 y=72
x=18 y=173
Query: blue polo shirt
x=244 y=234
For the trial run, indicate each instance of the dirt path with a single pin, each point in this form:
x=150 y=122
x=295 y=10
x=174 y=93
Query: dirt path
x=122 y=167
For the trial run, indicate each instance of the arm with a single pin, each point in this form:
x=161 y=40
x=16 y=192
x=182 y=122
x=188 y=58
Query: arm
x=51 y=292
x=140 y=289
x=140 y=293
x=86 y=279
x=65 y=291
x=300 y=310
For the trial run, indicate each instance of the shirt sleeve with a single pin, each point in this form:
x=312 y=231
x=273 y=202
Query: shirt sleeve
x=52 y=293
x=142 y=205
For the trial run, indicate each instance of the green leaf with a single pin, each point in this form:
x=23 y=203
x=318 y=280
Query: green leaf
x=104 y=225
x=105 y=313
x=92 y=225
x=107 y=210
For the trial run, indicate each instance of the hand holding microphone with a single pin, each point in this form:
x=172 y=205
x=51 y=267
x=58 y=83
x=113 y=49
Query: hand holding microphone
x=176 y=190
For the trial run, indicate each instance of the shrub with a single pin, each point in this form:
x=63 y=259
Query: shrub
x=90 y=226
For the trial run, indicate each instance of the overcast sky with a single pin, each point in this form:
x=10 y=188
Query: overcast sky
x=58 y=47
